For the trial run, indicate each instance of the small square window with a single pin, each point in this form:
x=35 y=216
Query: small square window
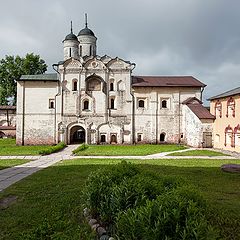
x=51 y=103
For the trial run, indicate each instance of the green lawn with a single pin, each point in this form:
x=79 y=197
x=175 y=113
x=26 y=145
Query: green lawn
x=49 y=204
x=209 y=153
x=6 y=163
x=127 y=150
x=8 y=148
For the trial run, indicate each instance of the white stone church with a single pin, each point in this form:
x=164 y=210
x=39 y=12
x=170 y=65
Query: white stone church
x=98 y=100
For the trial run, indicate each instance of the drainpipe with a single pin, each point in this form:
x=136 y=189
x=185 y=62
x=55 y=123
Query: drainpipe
x=157 y=118
x=55 y=100
x=79 y=93
x=133 y=105
x=7 y=117
x=202 y=89
x=23 y=113
x=179 y=117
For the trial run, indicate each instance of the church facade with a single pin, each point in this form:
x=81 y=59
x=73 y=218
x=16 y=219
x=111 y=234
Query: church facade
x=97 y=100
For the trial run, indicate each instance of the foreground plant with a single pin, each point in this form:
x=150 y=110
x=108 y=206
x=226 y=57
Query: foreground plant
x=136 y=204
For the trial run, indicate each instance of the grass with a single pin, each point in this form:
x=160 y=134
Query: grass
x=127 y=150
x=49 y=201
x=209 y=153
x=6 y=163
x=8 y=148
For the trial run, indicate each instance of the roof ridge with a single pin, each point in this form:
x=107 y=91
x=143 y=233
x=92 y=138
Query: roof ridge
x=224 y=93
x=163 y=76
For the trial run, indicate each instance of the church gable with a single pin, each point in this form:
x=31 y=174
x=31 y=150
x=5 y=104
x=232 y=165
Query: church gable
x=94 y=64
x=72 y=63
x=118 y=64
x=105 y=59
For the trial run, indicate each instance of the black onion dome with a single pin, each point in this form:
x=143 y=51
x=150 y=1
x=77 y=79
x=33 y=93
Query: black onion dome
x=86 y=31
x=71 y=36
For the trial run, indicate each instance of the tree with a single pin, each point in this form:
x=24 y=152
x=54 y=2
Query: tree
x=11 y=69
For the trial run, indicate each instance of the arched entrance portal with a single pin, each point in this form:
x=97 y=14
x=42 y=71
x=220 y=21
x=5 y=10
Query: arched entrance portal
x=77 y=135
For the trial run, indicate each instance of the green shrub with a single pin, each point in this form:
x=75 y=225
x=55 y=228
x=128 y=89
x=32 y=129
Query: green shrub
x=99 y=186
x=53 y=149
x=178 y=214
x=82 y=147
x=137 y=204
x=120 y=187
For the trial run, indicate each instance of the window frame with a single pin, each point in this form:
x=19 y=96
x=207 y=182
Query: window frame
x=112 y=103
x=231 y=107
x=74 y=85
x=140 y=100
x=218 y=109
x=111 y=86
x=50 y=102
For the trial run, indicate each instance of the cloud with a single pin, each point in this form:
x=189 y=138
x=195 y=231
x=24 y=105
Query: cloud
x=167 y=37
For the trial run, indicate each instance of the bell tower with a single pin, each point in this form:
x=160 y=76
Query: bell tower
x=70 y=46
x=87 y=41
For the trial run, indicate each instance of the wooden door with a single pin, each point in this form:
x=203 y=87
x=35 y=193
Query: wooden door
x=207 y=140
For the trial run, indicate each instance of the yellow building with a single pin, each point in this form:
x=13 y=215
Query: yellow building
x=226 y=128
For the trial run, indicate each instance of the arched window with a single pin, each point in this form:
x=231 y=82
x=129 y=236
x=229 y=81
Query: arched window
x=112 y=103
x=103 y=138
x=80 y=51
x=74 y=85
x=230 y=107
x=93 y=84
x=237 y=135
x=51 y=103
x=229 y=140
x=86 y=105
x=91 y=50
x=139 y=137
x=70 y=52
x=162 y=137
x=164 y=104
x=218 y=109
x=121 y=86
x=141 y=103
x=113 y=139
x=111 y=86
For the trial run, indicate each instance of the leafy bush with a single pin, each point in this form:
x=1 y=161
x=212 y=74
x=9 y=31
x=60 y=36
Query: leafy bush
x=178 y=214
x=124 y=186
x=99 y=186
x=53 y=149
x=136 y=204
x=82 y=147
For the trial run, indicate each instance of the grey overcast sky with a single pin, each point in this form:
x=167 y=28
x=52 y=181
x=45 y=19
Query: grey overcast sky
x=163 y=37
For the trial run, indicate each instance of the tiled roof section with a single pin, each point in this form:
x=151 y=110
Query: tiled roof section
x=7 y=128
x=40 y=77
x=200 y=111
x=6 y=107
x=191 y=100
x=166 y=81
x=232 y=92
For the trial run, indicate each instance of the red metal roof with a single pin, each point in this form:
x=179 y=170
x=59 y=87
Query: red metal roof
x=7 y=128
x=7 y=107
x=166 y=81
x=200 y=111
